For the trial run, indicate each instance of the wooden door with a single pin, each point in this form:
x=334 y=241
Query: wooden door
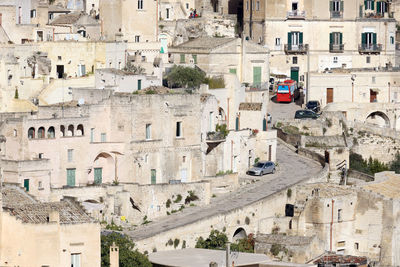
x=294 y=74
x=98 y=175
x=372 y=96
x=26 y=185
x=329 y=95
x=71 y=177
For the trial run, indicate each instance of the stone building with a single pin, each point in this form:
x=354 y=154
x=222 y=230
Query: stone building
x=132 y=143
x=46 y=233
x=350 y=220
x=134 y=21
x=219 y=56
x=317 y=35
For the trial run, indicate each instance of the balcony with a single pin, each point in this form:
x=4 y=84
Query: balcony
x=295 y=14
x=336 y=14
x=336 y=48
x=369 y=48
x=296 y=49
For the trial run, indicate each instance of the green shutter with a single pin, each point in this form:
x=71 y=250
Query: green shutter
x=374 y=38
x=373 y=4
x=237 y=124
x=182 y=58
x=153 y=176
x=264 y=125
x=256 y=76
x=340 y=38
x=194 y=59
x=289 y=38
x=233 y=71
x=98 y=175
x=378 y=7
x=365 y=4
x=361 y=12
x=341 y=6
x=331 y=38
x=385 y=7
x=71 y=177
x=364 y=38
x=331 y=6
x=300 y=38
x=139 y=84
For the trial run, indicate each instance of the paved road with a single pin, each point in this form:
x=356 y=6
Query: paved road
x=281 y=111
x=292 y=169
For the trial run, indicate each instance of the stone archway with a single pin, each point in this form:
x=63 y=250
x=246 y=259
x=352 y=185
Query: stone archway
x=378 y=118
x=240 y=233
x=103 y=169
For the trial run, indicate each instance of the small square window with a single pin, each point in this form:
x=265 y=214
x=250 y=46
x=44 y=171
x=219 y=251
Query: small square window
x=40 y=185
x=356 y=246
x=391 y=40
x=137 y=38
x=59 y=58
x=277 y=41
x=294 y=60
x=187 y=5
x=103 y=137
x=70 y=155
x=148 y=131
x=335 y=60
x=368 y=59
x=40 y=155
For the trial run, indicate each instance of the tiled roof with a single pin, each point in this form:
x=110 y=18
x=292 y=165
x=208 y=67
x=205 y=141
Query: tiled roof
x=250 y=106
x=25 y=208
x=341 y=259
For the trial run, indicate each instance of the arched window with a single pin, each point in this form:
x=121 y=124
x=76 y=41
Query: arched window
x=41 y=132
x=70 y=130
x=31 y=133
x=79 y=130
x=51 y=133
x=62 y=130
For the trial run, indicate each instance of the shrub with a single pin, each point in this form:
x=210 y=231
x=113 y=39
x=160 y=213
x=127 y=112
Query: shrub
x=178 y=198
x=215 y=82
x=289 y=192
x=180 y=76
x=191 y=197
x=168 y=203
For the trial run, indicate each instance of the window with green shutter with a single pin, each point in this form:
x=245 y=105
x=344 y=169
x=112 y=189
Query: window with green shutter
x=182 y=58
x=194 y=59
x=233 y=71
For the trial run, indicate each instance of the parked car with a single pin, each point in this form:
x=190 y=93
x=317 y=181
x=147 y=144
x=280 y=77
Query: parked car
x=305 y=114
x=261 y=168
x=313 y=105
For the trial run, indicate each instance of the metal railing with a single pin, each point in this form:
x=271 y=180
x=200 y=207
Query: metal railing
x=336 y=14
x=336 y=48
x=369 y=48
x=296 y=14
x=296 y=49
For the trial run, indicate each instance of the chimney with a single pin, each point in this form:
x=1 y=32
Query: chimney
x=114 y=255
x=54 y=216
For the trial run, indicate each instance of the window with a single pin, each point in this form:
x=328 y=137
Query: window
x=369 y=4
x=373 y=79
x=182 y=58
x=33 y=13
x=294 y=60
x=381 y=7
x=335 y=6
x=233 y=71
x=39 y=36
x=41 y=132
x=368 y=40
x=59 y=58
x=167 y=13
x=70 y=155
x=91 y=135
x=79 y=130
x=277 y=41
x=295 y=38
x=258 y=5
x=294 y=6
x=391 y=40
x=335 y=60
x=194 y=59
x=51 y=132
x=247 y=5
x=40 y=185
x=140 y=4
x=51 y=16
x=187 y=5
x=253 y=6
x=75 y=260
x=148 y=131
x=356 y=246
x=339 y=216
x=139 y=84
x=15 y=133
x=71 y=177
x=103 y=137
x=137 y=38
x=153 y=176
x=179 y=129
x=368 y=59
x=40 y=156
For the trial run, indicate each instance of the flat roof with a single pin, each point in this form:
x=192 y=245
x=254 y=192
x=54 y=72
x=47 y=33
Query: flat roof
x=197 y=257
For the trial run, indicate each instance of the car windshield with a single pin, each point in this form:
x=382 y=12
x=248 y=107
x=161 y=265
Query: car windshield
x=259 y=165
x=312 y=103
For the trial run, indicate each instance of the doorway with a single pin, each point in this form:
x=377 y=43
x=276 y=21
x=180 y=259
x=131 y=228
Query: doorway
x=269 y=152
x=184 y=175
x=329 y=95
x=294 y=74
x=372 y=96
x=26 y=185
x=60 y=71
x=98 y=175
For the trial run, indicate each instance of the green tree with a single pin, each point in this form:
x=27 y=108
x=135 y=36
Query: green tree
x=216 y=240
x=180 y=76
x=395 y=164
x=244 y=245
x=128 y=256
